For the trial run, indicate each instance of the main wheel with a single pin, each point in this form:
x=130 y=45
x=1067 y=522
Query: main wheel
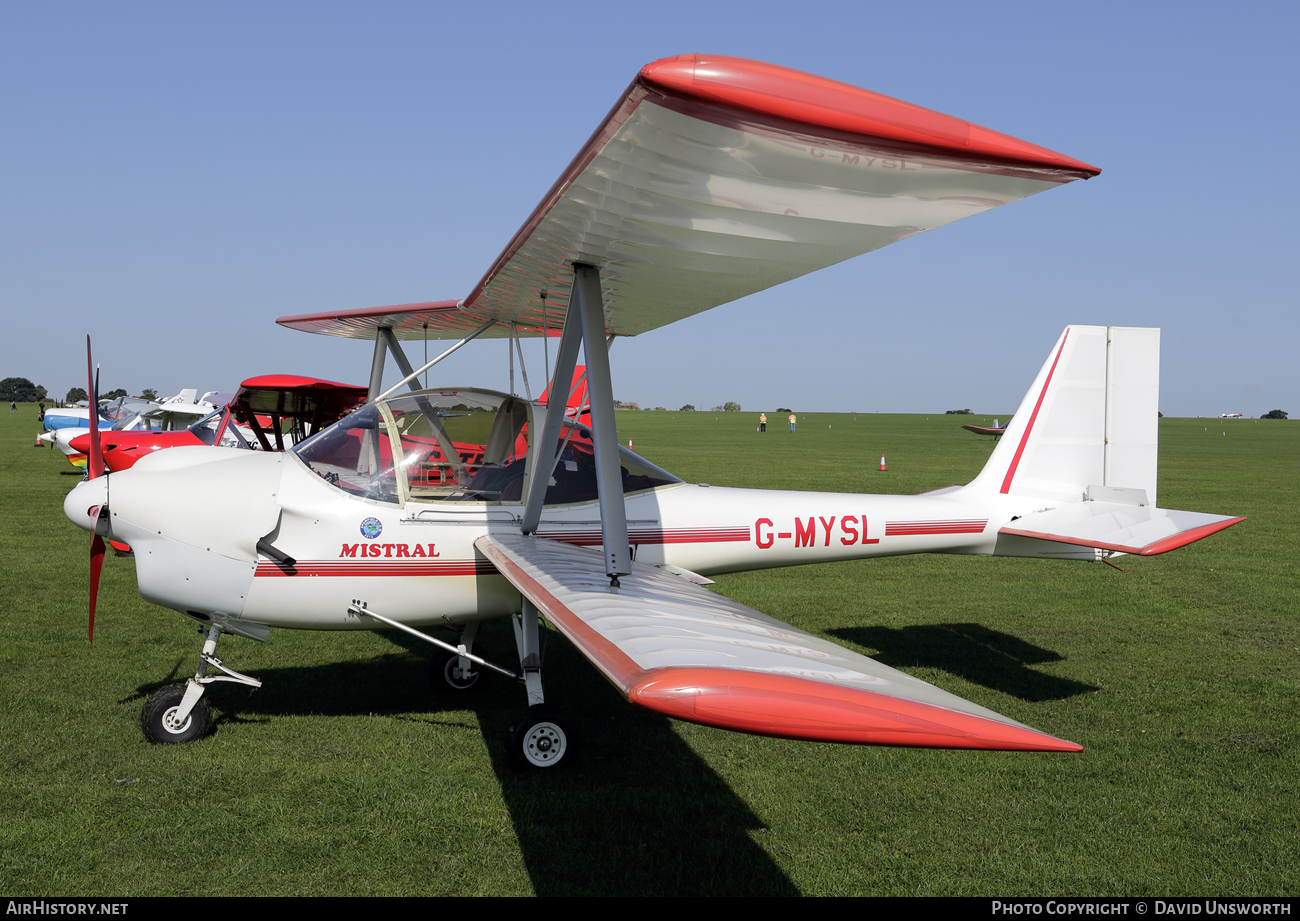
x=158 y=718
x=446 y=673
x=541 y=740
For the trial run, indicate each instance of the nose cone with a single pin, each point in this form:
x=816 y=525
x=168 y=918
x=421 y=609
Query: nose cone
x=83 y=503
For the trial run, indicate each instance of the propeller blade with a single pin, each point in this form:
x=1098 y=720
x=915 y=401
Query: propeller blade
x=96 y=563
x=95 y=459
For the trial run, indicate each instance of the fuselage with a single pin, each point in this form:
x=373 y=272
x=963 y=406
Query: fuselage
x=384 y=508
x=195 y=515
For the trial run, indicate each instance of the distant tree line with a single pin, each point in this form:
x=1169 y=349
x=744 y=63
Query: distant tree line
x=959 y=412
x=1274 y=414
x=20 y=390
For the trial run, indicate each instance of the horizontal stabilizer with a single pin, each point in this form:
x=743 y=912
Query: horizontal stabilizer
x=1119 y=526
x=679 y=649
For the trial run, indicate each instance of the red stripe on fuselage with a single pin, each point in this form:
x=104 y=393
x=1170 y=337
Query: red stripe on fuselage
x=652 y=536
x=379 y=567
x=909 y=528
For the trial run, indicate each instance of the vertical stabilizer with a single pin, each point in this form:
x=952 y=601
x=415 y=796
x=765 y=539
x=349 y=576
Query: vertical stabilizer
x=1090 y=419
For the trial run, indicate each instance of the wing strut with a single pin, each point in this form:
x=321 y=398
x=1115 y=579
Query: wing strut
x=609 y=475
x=586 y=325
x=385 y=335
x=377 y=367
x=566 y=358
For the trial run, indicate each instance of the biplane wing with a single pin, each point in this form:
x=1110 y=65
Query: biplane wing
x=305 y=405
x=674 y=647
x=715 y=177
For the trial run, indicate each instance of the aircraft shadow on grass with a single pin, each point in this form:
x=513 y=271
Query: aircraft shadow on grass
x=982 y=656
x=638 y=813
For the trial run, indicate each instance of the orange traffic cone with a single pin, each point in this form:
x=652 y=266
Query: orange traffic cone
x=882 y=463
x=38 y=440
x=629 y=442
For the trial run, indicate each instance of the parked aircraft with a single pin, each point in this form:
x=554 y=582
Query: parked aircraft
x=265 y=413
x=711 y=178
x=132 y=414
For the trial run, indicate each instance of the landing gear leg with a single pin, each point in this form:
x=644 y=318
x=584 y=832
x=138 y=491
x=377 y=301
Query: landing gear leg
x=178 y=713
x=542 y=739
x=449 y=670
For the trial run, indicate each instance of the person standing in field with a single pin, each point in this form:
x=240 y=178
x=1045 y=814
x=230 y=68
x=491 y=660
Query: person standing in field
x=762 y=422
x=13 y=407
x=792 y=420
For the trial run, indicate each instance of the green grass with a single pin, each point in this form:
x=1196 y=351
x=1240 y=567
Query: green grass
x=345 y=775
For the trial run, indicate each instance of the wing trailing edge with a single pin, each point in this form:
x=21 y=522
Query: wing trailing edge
x=674 y=647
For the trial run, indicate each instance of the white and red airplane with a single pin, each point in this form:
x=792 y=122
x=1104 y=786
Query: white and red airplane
x=711 y=178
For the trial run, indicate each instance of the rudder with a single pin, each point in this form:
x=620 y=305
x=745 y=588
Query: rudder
x=1089 y=420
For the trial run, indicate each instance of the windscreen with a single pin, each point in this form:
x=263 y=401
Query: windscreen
x=462 y=445
x=355 y=455
x=231 y=436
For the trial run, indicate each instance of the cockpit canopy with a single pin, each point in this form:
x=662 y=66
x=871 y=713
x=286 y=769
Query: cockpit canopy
x=460 y=445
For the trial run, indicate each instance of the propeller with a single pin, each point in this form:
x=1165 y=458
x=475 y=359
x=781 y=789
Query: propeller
x=94 y=468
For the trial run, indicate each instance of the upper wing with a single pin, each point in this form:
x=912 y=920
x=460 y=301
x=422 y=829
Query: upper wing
x=715 y=177
x=294 y=395
x=677 y=648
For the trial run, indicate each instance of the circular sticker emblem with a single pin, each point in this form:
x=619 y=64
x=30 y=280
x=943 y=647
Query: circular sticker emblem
x=371 y=528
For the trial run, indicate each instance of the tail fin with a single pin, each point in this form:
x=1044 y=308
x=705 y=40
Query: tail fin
x=1088 y=421
x=577 y=408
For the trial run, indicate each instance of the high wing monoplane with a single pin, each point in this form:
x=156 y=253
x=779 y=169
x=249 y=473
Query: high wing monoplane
x=711 y=178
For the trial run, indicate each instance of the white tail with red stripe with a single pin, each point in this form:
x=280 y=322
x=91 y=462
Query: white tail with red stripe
x=1082 y=450
x=1088 y=420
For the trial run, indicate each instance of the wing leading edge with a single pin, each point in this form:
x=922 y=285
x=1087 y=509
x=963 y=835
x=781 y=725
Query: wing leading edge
x=677 y=648
x=715 y=177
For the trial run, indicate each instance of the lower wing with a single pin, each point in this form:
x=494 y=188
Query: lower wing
x=672 y=646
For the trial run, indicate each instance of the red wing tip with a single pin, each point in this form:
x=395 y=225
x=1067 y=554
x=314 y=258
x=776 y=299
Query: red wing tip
x=793 y=94
x=800 y=708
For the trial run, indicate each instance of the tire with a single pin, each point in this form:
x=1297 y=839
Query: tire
x=443 y=666
x=541 y=741
x=154 y=718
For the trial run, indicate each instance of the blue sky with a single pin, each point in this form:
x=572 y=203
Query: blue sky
x=176 y=176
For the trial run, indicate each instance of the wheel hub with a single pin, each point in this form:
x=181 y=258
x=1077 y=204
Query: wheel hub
x=170 y=724
x=544 y=744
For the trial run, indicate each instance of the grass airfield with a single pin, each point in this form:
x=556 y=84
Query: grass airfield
x=346 y=775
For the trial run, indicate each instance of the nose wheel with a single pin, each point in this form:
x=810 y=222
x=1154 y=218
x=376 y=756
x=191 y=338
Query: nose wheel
x=179 y=713
x=161 y=720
